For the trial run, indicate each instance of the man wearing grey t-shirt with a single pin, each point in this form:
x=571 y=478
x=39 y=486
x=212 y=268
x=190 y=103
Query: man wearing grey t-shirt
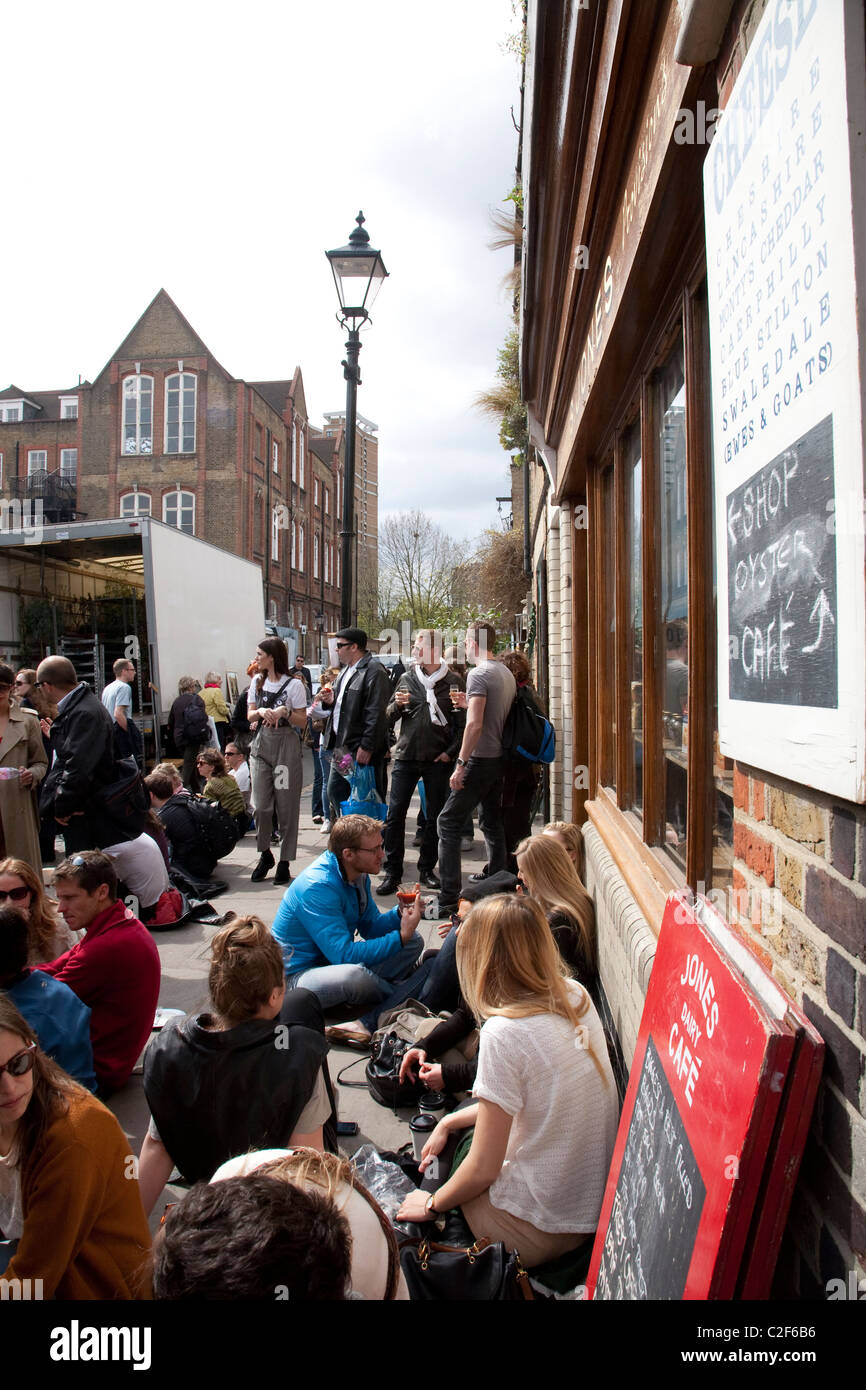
x=477 y=776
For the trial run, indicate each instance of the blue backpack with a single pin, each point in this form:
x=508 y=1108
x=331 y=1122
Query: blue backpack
x=527 y=733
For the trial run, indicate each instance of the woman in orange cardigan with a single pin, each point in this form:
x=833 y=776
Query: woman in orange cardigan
x=68 y=1190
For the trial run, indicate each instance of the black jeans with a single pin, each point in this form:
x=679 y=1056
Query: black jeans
x=482 y=786
x=405 y=776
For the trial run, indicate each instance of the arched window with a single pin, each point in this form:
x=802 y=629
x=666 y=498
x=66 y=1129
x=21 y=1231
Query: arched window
x=178 y=509
x=135 y=504
x=301 y=455
x=137 y=415
x=180 y=396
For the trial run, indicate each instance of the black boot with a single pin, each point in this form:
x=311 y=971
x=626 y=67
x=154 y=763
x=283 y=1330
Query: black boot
x=283 y=874
x=265 y=864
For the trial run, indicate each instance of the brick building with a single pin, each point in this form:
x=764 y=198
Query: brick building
x=366 y=557
x=687 y=768
x=165 y=430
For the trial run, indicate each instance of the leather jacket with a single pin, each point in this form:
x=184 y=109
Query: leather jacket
x=82 y=737
x=363 y=722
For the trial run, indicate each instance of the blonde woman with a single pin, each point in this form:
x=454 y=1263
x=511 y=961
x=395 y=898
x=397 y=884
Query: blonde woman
x=570 y=836
x=546 y=1111
x=551 y=879
x=47 y=934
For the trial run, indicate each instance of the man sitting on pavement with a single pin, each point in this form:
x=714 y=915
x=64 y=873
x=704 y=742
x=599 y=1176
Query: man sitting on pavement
x=114 y=969
x=320 y=914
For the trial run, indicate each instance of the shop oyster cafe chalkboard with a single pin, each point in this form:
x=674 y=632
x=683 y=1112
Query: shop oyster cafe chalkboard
x=704 y=1092
x=784 y=199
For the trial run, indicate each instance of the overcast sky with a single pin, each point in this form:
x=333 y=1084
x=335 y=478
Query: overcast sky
x=217 y=150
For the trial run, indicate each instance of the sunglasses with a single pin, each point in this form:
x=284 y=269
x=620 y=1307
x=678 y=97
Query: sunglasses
x=16 y=894
x=343 y=644
x=21 y=1063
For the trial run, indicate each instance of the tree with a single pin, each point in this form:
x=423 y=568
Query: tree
x=499 y=581
x=420 y=570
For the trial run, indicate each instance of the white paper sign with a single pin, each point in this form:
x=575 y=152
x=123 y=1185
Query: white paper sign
x=787 y=421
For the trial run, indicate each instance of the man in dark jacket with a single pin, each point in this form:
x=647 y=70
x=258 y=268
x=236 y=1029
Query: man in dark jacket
x=189 y=729
x=358 y=723
x=430 y=734
x=82 y=752
x=171 y=802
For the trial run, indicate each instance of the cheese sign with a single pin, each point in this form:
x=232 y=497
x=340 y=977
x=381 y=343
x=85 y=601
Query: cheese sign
x=703 y=1093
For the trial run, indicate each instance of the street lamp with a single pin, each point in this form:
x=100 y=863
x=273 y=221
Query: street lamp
x=358 y=273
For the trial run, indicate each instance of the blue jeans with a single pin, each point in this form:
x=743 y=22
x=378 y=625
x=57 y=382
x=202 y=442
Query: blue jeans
x=318 y=807
x=435 y=984
x=482 y=785
x=355 y=985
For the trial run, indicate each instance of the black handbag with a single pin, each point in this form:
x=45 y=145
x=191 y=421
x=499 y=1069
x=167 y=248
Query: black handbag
x=387 y=1051
x=484 y=1272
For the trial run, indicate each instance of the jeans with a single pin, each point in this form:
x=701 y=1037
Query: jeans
x=482 y=785
x=318 y=805
x=404 y=779
x=355 y=985
x=435 y=984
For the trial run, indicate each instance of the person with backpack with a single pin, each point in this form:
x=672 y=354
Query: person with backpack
x=191 y=852
x=276 y=708
x=521 y=777
x=190 y=729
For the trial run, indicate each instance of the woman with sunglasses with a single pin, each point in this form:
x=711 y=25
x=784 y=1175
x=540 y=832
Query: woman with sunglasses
x=23 y=764
x=546 y=1103
x=221 y=787
x=21 y=888
x=68 y=1194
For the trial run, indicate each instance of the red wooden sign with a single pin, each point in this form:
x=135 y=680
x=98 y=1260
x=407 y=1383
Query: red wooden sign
x=699 y=1118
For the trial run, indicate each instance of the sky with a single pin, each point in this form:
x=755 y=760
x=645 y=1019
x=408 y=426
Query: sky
x=217 y=150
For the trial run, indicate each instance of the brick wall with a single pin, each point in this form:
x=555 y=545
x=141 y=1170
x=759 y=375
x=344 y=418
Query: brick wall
x=800 y=901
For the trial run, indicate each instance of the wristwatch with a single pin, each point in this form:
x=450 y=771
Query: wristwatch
x=461 y=762
x=429 y=1209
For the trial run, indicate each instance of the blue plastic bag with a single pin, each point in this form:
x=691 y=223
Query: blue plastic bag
x=365 y=800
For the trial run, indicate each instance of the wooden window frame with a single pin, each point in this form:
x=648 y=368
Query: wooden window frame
x=637 y=841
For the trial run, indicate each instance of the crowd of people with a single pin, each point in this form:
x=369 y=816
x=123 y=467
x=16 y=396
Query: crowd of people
x=240 y=1096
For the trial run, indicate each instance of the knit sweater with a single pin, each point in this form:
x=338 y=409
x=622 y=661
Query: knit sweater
x=85 y=1233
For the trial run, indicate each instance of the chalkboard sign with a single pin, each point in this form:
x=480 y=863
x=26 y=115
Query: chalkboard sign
x=782 y=602
x=697 y=1123
x=658 y=1200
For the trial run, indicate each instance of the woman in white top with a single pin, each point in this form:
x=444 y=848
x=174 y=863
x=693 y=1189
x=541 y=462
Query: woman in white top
x=546 y=1112
x=276 y=707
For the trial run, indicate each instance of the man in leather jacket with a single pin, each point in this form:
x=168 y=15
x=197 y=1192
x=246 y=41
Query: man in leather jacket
x=82 y=759
x=358 y=722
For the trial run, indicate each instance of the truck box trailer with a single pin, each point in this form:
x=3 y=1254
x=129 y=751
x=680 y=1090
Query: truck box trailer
x=98 y=590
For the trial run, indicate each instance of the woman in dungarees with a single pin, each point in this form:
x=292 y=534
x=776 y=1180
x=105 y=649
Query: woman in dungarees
x=276 y=707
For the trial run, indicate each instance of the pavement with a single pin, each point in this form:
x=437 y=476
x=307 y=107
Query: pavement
x=184 y=959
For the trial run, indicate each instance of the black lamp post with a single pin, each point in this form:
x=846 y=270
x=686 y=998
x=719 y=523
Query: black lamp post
x=358 y=274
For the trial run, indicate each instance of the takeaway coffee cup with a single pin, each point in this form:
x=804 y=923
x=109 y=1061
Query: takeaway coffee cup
x=421 y=1126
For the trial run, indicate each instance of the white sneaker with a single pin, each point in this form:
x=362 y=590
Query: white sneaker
x=325 y=827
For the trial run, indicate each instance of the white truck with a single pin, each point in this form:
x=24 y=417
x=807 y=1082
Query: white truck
x=98 y=590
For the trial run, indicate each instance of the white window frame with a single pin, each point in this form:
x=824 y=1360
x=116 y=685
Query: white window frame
x=275 y=534
x=294 y=453
x=301 y=539
x=338 y=566
x=186 y=382
x=69 y=407
x=301 y=457
x=1 y=470
x=33 y=466
x=70 y=473
x=180 y=505
x=315 y=546
x=327 y=562
x=142 y=504
x=294 y=543
x=142 y=437
x=327 y=501
x=275 y=455
x=11 y=411
x=315 y=492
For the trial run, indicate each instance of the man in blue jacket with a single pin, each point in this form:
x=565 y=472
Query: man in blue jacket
x=322 y=911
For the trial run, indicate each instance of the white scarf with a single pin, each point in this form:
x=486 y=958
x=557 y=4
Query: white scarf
x=428 y=682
